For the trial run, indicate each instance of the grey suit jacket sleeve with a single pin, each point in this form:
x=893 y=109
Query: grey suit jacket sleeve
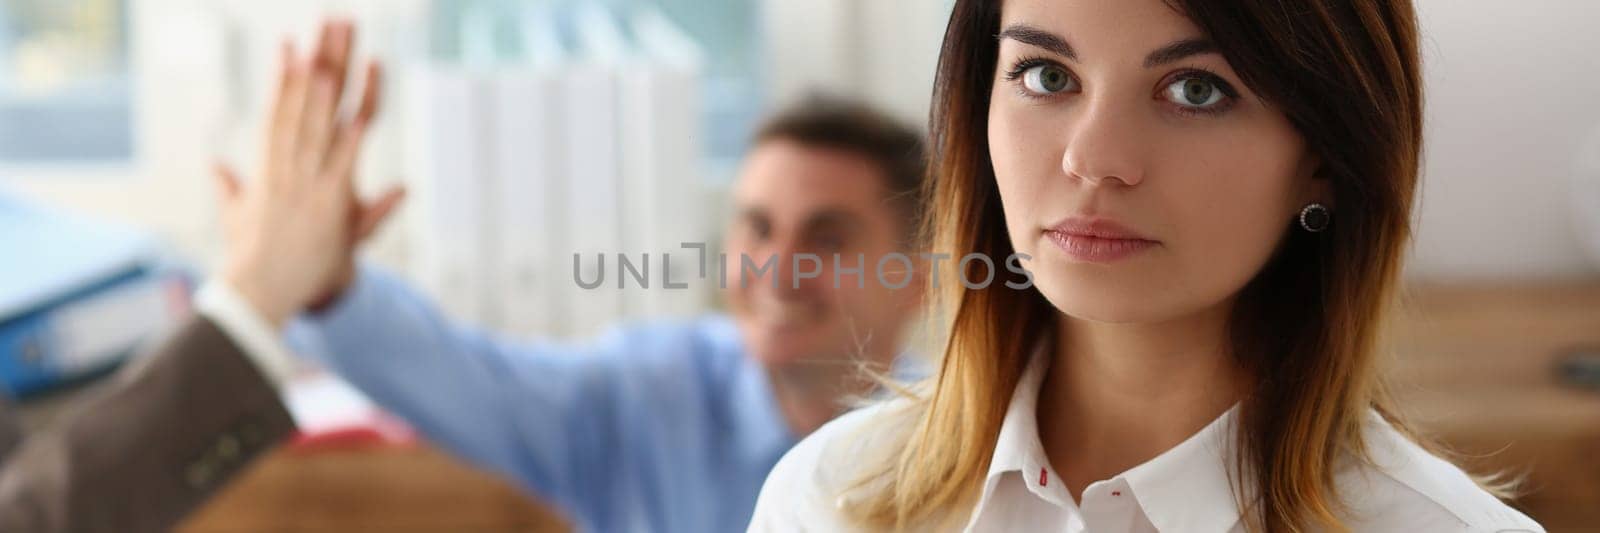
x=149 y=446
x=10 y=430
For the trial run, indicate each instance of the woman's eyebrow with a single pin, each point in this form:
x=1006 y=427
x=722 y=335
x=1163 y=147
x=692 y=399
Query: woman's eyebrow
x=1043 y=39
x=1178 y=50
x=1169 y=53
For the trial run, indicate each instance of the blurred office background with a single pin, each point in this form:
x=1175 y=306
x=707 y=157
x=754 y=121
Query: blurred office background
x=513 y=119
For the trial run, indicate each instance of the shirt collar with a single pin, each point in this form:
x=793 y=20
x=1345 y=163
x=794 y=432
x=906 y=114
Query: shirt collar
x=1018 y=448
x=1186 y=488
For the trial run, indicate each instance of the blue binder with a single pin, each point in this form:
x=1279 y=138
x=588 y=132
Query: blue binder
x=76 y=295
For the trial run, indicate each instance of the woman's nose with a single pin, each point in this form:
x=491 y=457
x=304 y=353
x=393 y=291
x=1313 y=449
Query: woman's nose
x=1103 y=143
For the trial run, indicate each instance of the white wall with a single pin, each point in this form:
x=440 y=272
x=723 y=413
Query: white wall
x=1513 y=102
x=884 y=51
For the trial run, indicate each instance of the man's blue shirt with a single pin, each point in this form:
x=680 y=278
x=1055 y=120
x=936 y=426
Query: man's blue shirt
x=664 y=426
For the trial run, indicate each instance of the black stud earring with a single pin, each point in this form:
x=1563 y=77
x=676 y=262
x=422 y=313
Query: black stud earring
x=1315 y=218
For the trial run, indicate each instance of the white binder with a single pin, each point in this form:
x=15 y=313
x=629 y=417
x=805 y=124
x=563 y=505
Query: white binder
x=662 y=155
x=445 y=139
x=529 y=164
x=594 y=172
x=588 y=146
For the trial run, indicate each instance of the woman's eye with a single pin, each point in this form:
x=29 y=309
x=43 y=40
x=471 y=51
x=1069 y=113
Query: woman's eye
x=1195 y=92
x=1047 y=79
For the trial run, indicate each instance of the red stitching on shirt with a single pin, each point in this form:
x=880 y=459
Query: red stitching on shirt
x=1044 y=479
x=1116 y=493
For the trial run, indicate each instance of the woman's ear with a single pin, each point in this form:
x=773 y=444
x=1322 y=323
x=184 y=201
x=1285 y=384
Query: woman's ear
x=1315 y=185
x=1321 y=191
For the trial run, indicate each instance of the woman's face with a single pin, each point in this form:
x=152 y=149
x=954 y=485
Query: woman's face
x=1141 y=175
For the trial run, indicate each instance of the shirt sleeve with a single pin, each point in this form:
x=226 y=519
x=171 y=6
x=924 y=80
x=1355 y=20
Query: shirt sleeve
x=240 y=321
x=542 y=413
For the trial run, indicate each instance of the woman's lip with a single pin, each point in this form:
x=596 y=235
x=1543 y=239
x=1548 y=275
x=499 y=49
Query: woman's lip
x=1092 y=249
x=1103 y=228
x=1097 y=240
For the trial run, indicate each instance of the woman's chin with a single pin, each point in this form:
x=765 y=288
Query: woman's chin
x=1110 y=305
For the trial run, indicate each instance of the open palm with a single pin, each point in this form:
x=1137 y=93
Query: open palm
x=292 y=231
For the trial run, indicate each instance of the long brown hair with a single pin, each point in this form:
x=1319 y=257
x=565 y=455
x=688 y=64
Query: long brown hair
x=1346 y=73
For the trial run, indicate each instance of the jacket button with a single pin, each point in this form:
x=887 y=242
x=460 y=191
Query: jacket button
x=198 y=474
x=228 y=447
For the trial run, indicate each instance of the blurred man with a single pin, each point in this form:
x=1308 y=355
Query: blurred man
x=667 y=426
x=174 y=426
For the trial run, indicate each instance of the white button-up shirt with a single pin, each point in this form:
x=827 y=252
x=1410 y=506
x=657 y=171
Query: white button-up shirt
x=1185 y=489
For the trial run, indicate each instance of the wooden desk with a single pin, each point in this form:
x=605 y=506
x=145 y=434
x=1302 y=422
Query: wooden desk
x=381 y=488
x=1475 y=367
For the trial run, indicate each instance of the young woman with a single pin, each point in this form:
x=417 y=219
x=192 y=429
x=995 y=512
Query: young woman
x=1215 y=199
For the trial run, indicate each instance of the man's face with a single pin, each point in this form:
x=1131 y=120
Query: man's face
x=791 y=200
